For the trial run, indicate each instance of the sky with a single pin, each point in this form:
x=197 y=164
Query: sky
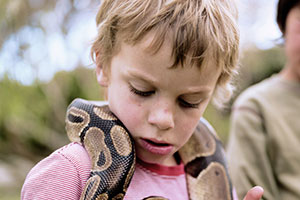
x=52 y=52
x=263 y=30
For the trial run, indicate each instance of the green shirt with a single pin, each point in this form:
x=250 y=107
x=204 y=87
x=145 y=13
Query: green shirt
x=264 y=143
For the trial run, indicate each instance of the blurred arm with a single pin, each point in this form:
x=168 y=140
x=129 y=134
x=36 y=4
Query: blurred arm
x=249 y=164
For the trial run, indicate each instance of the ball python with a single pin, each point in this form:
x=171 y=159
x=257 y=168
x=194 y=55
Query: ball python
x=112 y=153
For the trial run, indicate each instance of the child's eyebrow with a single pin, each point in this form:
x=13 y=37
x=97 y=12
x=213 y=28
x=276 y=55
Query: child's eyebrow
x=195 y=94
x=142 y=77
x=203 y=90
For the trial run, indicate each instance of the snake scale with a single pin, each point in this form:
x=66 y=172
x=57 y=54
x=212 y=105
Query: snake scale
x=112 y=153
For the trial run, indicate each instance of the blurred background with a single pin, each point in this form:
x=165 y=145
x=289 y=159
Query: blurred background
x=45 y=64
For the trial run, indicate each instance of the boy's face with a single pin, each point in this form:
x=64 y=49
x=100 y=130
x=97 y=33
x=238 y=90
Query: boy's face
x=160 y=106
x=292 y=43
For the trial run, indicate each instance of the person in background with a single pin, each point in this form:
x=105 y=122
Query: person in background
x=264 y=141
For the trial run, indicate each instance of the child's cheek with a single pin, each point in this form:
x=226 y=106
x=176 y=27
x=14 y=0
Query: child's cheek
x=132 y=115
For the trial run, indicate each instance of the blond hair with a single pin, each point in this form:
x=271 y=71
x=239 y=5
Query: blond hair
x=204 y=31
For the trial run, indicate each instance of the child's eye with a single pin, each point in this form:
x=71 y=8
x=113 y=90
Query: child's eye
x=185 y=104
x=141 y=93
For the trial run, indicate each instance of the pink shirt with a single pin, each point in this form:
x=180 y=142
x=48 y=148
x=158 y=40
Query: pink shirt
x=63 y=175
x=157 y=180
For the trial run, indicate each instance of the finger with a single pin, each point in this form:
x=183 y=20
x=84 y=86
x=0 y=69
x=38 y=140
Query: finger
x=254 y=193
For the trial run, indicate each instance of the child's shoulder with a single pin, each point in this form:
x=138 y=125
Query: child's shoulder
x=75 y=153
x=61 y=175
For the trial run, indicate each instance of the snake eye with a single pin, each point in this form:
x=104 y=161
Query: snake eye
x=74 y=119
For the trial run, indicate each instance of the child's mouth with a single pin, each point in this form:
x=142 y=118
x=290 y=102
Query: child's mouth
x=157 y=147
x=157 y=144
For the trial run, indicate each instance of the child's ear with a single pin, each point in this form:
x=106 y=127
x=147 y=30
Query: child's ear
x=101 y=72
x=102 y=76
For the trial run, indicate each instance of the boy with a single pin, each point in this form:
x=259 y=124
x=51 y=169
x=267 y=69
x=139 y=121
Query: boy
x=265 y=130
x=161 y=62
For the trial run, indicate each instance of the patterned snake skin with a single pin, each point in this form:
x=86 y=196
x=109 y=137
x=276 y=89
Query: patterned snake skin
x=111 y=150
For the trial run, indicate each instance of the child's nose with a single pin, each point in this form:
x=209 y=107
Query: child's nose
x=161 y=115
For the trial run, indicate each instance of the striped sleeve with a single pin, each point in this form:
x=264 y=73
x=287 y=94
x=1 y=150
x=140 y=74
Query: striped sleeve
x=62 y=175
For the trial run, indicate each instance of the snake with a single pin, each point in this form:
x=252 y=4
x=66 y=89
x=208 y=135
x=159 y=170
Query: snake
x=113 y=158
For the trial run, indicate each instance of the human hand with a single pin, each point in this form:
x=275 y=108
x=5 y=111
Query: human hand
x=254 y=193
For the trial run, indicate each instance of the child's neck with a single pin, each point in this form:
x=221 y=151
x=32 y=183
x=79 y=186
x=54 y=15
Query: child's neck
x=173 y=161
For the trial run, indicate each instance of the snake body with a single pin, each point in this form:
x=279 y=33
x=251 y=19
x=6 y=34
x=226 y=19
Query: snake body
x=112 y=153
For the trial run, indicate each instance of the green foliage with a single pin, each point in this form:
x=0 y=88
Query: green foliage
x=32 y=117
x=257 y=65
x=219 y=120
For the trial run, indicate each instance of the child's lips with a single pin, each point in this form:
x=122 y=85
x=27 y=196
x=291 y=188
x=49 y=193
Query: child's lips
x=157 y=147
